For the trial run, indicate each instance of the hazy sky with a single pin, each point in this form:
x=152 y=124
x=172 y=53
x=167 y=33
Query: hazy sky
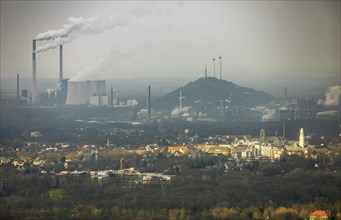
x=257 y=39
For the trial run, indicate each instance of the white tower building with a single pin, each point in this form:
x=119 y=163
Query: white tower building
x=301 y=139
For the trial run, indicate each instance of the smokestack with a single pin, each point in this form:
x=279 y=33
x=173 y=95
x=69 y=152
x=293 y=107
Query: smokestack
x=18 y=87
x=214 y=67
x=285 y=92
x=34 y=73
x=148 y=102
x=205 y=71
x=180 y=98
x=112 y=97
x=284 y=129
x=60 y=65
x=221 y=76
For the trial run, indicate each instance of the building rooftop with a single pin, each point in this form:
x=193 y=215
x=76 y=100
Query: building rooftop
x=319 y=213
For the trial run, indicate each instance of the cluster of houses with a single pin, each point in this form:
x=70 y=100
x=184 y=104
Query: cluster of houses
x=237 y=146
x=128 y=176
x=22 y=161
x=233 y=146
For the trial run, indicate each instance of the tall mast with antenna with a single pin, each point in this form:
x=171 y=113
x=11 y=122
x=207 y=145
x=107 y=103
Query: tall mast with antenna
x=214 y=67
x=221 y=76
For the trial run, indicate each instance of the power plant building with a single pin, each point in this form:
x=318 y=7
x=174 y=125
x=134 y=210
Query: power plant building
x=104 y=100
x=97 y=100
x=97 y=87
x=94 y=100
x=79 y=93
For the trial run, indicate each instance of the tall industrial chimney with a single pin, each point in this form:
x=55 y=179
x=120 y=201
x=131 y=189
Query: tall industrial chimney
x=214 y=67
x=148 y=102
x=112 y=97
x=180 y=98
x=221 y=76
x=60 y=65
x=34 y=73
x=18 y=87
x=285 y=92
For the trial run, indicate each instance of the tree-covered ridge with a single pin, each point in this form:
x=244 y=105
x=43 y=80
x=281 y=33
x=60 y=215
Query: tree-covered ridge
x=212 y=90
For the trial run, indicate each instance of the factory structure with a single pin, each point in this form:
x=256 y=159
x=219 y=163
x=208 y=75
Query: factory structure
x=91 y=93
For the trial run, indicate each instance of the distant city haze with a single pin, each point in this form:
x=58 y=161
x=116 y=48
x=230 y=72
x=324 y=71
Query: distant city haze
x=266 y=45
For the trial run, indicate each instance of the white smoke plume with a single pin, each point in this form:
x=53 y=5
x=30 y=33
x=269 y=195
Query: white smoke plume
x=101 y=65
x=333 y=95
x=78 y=26
x=268 y=114
x=55 y=43
x=177 y=110
x=328 y=113
x=49 y=91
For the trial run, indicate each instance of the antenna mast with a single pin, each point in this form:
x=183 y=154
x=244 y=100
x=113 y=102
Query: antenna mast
x=214 y=67
x=180 y=101
x=221 y=76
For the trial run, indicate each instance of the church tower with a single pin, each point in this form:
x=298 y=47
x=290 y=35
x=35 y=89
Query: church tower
x=262 y=135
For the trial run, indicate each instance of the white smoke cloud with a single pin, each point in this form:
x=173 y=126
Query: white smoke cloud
x=177 y=110
x=50 y=90
x=55 y=43
x=101 y=65
x=333 y=95
x=328 y=113
x=268 y=114
x=92 y=25
x=79 y=26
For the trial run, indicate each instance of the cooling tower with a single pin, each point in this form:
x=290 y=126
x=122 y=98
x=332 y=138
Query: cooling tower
x=78 y=93
x=112 y=97
x=96 y=87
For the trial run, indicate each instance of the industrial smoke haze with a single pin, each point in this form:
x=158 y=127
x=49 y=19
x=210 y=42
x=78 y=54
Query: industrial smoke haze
x=268 y=114
x=333 y=95
x=78 y=26
x=100 y=66
x=177 y=110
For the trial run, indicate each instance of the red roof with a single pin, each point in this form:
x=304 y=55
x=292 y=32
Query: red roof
x=319 y=213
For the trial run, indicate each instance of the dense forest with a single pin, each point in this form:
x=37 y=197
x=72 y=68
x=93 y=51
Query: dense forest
x=290 y=188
